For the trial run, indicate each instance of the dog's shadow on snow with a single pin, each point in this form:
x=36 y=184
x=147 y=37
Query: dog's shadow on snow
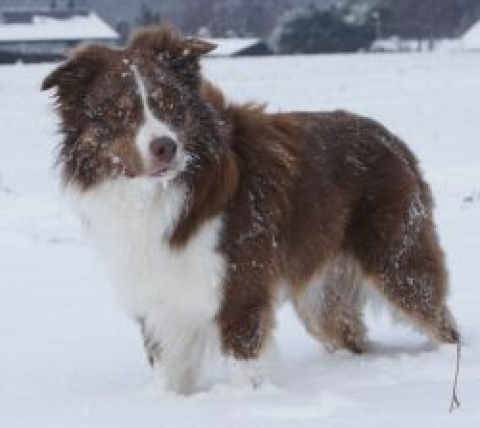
x=341 y=367
x=382 y=349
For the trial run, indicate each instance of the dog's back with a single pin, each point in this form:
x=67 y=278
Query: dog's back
x=362 y=207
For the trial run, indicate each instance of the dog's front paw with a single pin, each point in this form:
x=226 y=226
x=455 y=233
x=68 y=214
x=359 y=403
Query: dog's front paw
x=246 y=374
x=254 y=373
x=159 y=377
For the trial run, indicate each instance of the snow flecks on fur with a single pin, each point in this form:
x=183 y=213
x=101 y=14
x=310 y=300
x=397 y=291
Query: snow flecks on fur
x=417 y=213
x=392 y=146
x=257 y=218
x=356 y=163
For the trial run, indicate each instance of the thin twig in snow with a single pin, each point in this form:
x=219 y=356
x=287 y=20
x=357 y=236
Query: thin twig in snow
x=455 y=403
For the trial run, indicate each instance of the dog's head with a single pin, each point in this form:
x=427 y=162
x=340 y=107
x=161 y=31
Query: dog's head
x=135 y=112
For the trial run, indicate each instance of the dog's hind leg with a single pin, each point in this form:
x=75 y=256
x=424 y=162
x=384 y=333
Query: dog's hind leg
x=410 y=272
x=330 y=306
x=416 y=285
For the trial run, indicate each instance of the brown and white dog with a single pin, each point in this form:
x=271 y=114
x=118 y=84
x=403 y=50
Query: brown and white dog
x=208 y=212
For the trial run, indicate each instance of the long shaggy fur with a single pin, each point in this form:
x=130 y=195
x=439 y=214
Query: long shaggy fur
x=322 y=202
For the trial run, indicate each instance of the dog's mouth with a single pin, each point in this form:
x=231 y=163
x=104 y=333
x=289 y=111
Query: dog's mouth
x=154 y=172
x=127 y=172
x=164 y=171
x=167 y=170
x=159 y=172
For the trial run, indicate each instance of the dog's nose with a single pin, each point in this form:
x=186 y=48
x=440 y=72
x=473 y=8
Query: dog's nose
x=163 y=149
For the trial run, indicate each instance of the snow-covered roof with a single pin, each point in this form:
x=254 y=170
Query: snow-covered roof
x=471 y=39
x=42 y=27
x=231 y=46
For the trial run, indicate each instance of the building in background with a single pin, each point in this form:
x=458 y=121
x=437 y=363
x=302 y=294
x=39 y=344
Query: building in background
x=31 y=35
x=233 y=47
x=471 y=38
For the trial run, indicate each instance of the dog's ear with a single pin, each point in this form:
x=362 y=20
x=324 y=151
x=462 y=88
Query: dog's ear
x=72 y=81
x=78 y=70
x=73 y=72
x=166 y=47
x=198 y=47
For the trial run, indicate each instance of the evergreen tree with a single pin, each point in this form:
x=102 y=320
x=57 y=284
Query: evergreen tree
x=148 y=16
x=312 y=30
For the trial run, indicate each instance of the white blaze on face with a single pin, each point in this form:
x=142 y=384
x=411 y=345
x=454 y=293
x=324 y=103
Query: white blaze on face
x=152 y=127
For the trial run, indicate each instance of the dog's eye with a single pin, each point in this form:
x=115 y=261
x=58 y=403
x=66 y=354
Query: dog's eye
x=125 y=102
x=159 y=106
x=158 y=100
x=157 y=95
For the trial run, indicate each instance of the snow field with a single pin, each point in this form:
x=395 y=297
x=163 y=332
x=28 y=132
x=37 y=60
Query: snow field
x=70 y=358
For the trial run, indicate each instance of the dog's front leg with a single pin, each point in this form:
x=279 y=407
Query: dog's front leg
x=247 y=340
x=176 y=353
x=152 y=346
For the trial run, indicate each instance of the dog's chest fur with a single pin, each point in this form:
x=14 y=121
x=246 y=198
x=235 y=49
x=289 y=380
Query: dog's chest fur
x=132 y=220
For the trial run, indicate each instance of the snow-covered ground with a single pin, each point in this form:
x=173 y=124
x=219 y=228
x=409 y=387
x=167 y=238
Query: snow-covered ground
x=70 y=358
